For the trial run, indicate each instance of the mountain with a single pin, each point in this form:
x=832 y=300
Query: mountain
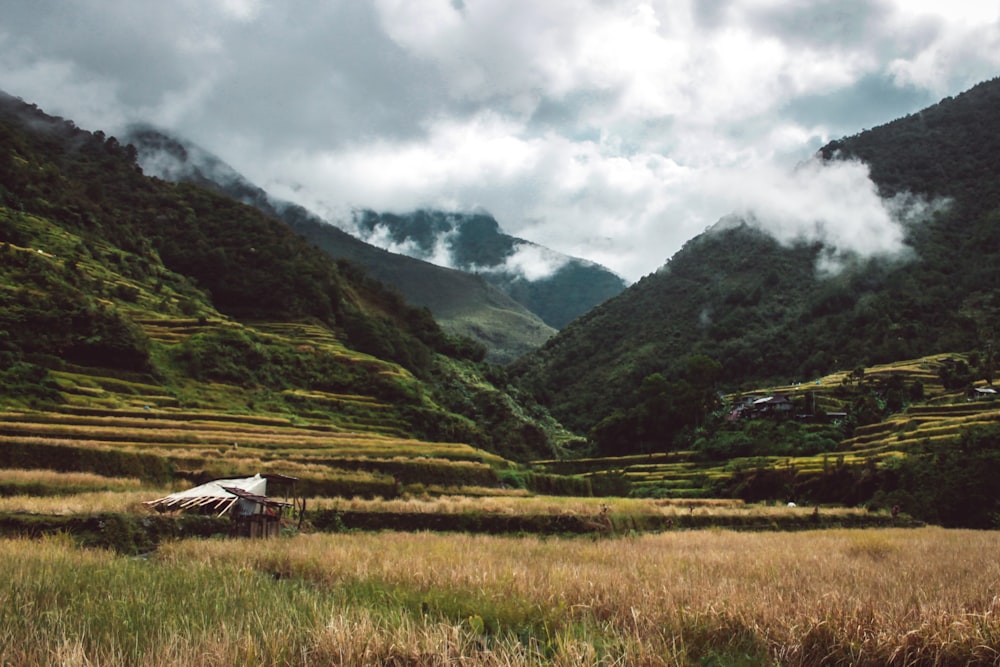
x=556 y=287
x=761 y=311
x=178 y=292
x=464 y=304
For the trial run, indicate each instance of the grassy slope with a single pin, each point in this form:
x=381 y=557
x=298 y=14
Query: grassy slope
x=217 y=428
x=201 y=302
x=464 y=304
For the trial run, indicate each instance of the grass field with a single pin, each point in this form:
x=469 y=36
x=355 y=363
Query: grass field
x=838 y=597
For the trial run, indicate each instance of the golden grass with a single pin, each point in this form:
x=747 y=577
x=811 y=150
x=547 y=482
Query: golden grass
x=83 y=503
x=846 y=597
x=559 y=505
x=70 y=480
x=837 y=597
x=352 y=445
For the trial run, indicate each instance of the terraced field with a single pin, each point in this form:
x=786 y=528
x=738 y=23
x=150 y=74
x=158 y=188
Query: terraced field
x=337 y=443
x=940 y=418
x=198 y=444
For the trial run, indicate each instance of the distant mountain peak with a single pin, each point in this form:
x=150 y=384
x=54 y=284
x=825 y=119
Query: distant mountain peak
x=557 y=287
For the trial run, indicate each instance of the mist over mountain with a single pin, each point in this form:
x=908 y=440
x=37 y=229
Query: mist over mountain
x=557 y=287
x=191 y=294
x=553 y=286
x=768 y=300
x=463 y=303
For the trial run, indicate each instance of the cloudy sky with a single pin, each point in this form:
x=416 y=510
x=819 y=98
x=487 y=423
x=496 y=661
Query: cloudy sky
x=613 y=130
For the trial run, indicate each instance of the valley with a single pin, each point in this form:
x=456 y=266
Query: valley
x=737 y=460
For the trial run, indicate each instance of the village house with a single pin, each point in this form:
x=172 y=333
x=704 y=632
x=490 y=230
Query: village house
x=777 y=404
x=982 y=393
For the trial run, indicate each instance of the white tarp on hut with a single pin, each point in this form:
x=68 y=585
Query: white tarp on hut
x=214 y=497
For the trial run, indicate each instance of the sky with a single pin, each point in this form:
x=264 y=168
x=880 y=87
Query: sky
x=610 y=130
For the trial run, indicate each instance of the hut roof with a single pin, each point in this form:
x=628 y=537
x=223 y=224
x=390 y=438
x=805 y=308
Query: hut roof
x=218 y=496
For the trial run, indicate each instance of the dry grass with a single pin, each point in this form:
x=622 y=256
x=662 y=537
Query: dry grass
x=561 y=505
x=83 y=503
x=836 y=597
x=511 y=502
x=500 y=504
x=846 y=597
x=67 y=480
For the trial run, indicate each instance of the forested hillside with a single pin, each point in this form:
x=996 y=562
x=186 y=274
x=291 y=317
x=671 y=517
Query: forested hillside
x=463 y=304
x=99 y=258
x=753 y=310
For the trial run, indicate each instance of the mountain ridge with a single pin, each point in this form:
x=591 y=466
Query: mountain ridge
x=759 y=308
x=463 y=304
x=557 y=287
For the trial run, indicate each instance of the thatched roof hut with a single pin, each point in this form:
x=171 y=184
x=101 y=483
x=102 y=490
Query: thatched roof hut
x=239 y=497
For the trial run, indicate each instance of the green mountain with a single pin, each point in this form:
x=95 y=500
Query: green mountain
x=556 y=287
x=464 y=304
x=734 y=308
x=177 y=292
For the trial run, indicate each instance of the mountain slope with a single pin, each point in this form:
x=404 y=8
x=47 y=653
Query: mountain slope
x=97 y=256
x=556 y=287
x=761 y=310
x=462 y=303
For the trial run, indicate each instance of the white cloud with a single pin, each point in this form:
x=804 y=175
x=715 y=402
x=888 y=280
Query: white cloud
x=532 y=262
x=834 y=203
x=953 y=43
x=612 y=130
x=440 y=254
x=241 y=10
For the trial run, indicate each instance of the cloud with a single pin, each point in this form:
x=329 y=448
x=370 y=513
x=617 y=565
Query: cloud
x=612 y=130
x=440 y=253
x=530 y=262
x=834 y=203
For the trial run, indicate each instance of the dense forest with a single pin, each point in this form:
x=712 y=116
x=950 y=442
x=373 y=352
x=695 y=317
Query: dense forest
x=92 y=247
x=761 y=311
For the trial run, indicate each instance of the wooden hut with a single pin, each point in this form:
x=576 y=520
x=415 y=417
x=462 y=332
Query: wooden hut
x=244 y=499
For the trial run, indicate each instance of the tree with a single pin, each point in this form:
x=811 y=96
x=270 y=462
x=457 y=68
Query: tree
x=983 y=309
x=703 y=372
x=954 y=485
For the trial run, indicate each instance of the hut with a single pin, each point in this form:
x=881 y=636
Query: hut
x=244 y=499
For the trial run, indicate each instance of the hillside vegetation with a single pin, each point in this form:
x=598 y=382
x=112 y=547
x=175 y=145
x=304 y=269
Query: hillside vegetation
x=763 y=313
x=462 y=303
x=168 y=334
x=174 y=297
x=922 y=436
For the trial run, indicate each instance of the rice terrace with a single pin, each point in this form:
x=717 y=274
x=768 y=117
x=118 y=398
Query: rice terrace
x=415 y=560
